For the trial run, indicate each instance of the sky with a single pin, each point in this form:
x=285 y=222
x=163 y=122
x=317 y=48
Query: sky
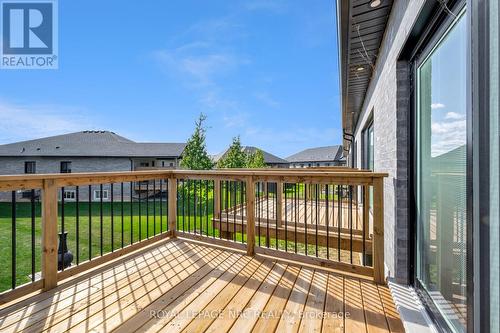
x=266 y=70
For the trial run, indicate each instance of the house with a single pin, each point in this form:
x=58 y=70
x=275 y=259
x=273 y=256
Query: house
x=87 y=151
x=419 y=89
x=272 y=161
x=317 y=157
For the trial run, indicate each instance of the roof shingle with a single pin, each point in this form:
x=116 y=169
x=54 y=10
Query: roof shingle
x=318 y=154
x=91 y=144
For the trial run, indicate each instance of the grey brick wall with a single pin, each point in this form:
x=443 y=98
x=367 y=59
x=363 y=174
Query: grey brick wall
x=15 y=165
x=387 y=99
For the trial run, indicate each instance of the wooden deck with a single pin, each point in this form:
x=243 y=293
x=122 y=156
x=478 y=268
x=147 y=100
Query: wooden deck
x=181 y=285
x=302 y=218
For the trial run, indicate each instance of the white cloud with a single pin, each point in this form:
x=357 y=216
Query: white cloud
x=199 y=69
x=212 y=99
x=437 y=106
x=447 y=136
x=266 y=99
x=454 y=116
x=235 y=120
x=23 y=122
x=202 y=67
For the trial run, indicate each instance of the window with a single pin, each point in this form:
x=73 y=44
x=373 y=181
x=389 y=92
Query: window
x=171 y=164
x=65 y=167
x=29 y=167
x=368 y=147
x=69 y=194
x=441 y=175
x=144 y=164
x=97 y=195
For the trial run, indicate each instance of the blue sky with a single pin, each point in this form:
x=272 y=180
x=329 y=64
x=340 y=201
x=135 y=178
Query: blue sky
x=264 y=70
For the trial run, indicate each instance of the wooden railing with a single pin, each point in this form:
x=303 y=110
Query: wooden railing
x=317 y=216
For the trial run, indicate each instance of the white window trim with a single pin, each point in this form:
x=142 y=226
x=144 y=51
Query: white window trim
x=70 y=191
x=105 y=197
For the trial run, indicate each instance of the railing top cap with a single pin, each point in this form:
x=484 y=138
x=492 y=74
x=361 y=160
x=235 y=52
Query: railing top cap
x=219 y=172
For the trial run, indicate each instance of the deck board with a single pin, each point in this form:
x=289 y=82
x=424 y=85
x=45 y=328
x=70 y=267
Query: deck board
x=186 y=286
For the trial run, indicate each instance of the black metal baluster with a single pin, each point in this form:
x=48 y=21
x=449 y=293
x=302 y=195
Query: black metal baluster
x=200 y=210
x=33 y=214
x=243 y=206
x=268 y=241
x=140 y=210
x=183 y=204
x=221 y=205
x=295 y=208
x=131 y=213
x=189 y=205
x=259 y=205
x=14 y=245
x=154 y=206
x=161 y=206
x=227 y=209
x=194 y=208
x=208 y=200
x=339 y=218
x=90 y=222
x=122 y=211
x=62 y=218
x=285 y=187
x=112 y=219
x=101 y=218
x=305 y=217
x=235 y=206
x=276 y=238
x=213 y=207
x=147 y=209
x=77 y=225
x=327 y=219
x=317 y=216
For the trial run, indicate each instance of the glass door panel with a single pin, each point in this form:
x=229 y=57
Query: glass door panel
x=441 y=175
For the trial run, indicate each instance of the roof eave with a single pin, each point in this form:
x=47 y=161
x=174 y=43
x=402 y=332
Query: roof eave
x=343 y=29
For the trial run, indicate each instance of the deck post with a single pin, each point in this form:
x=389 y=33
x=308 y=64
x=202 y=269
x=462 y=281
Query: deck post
x=49 y=234
x=217 y=199
x=250 y=208
x=378 y=230
x=279 y=203
x=172 y=206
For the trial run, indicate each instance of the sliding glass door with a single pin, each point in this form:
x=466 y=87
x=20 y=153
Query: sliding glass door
x=441 y=175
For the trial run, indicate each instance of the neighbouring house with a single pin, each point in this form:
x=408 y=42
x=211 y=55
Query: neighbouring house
x=317 y=157
x=272 y=161
x=87 y=151
x=420 y=101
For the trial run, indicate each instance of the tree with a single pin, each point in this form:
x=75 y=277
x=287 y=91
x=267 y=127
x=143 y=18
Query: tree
x=256 y=160
x=195 y=156
x=234 y=157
